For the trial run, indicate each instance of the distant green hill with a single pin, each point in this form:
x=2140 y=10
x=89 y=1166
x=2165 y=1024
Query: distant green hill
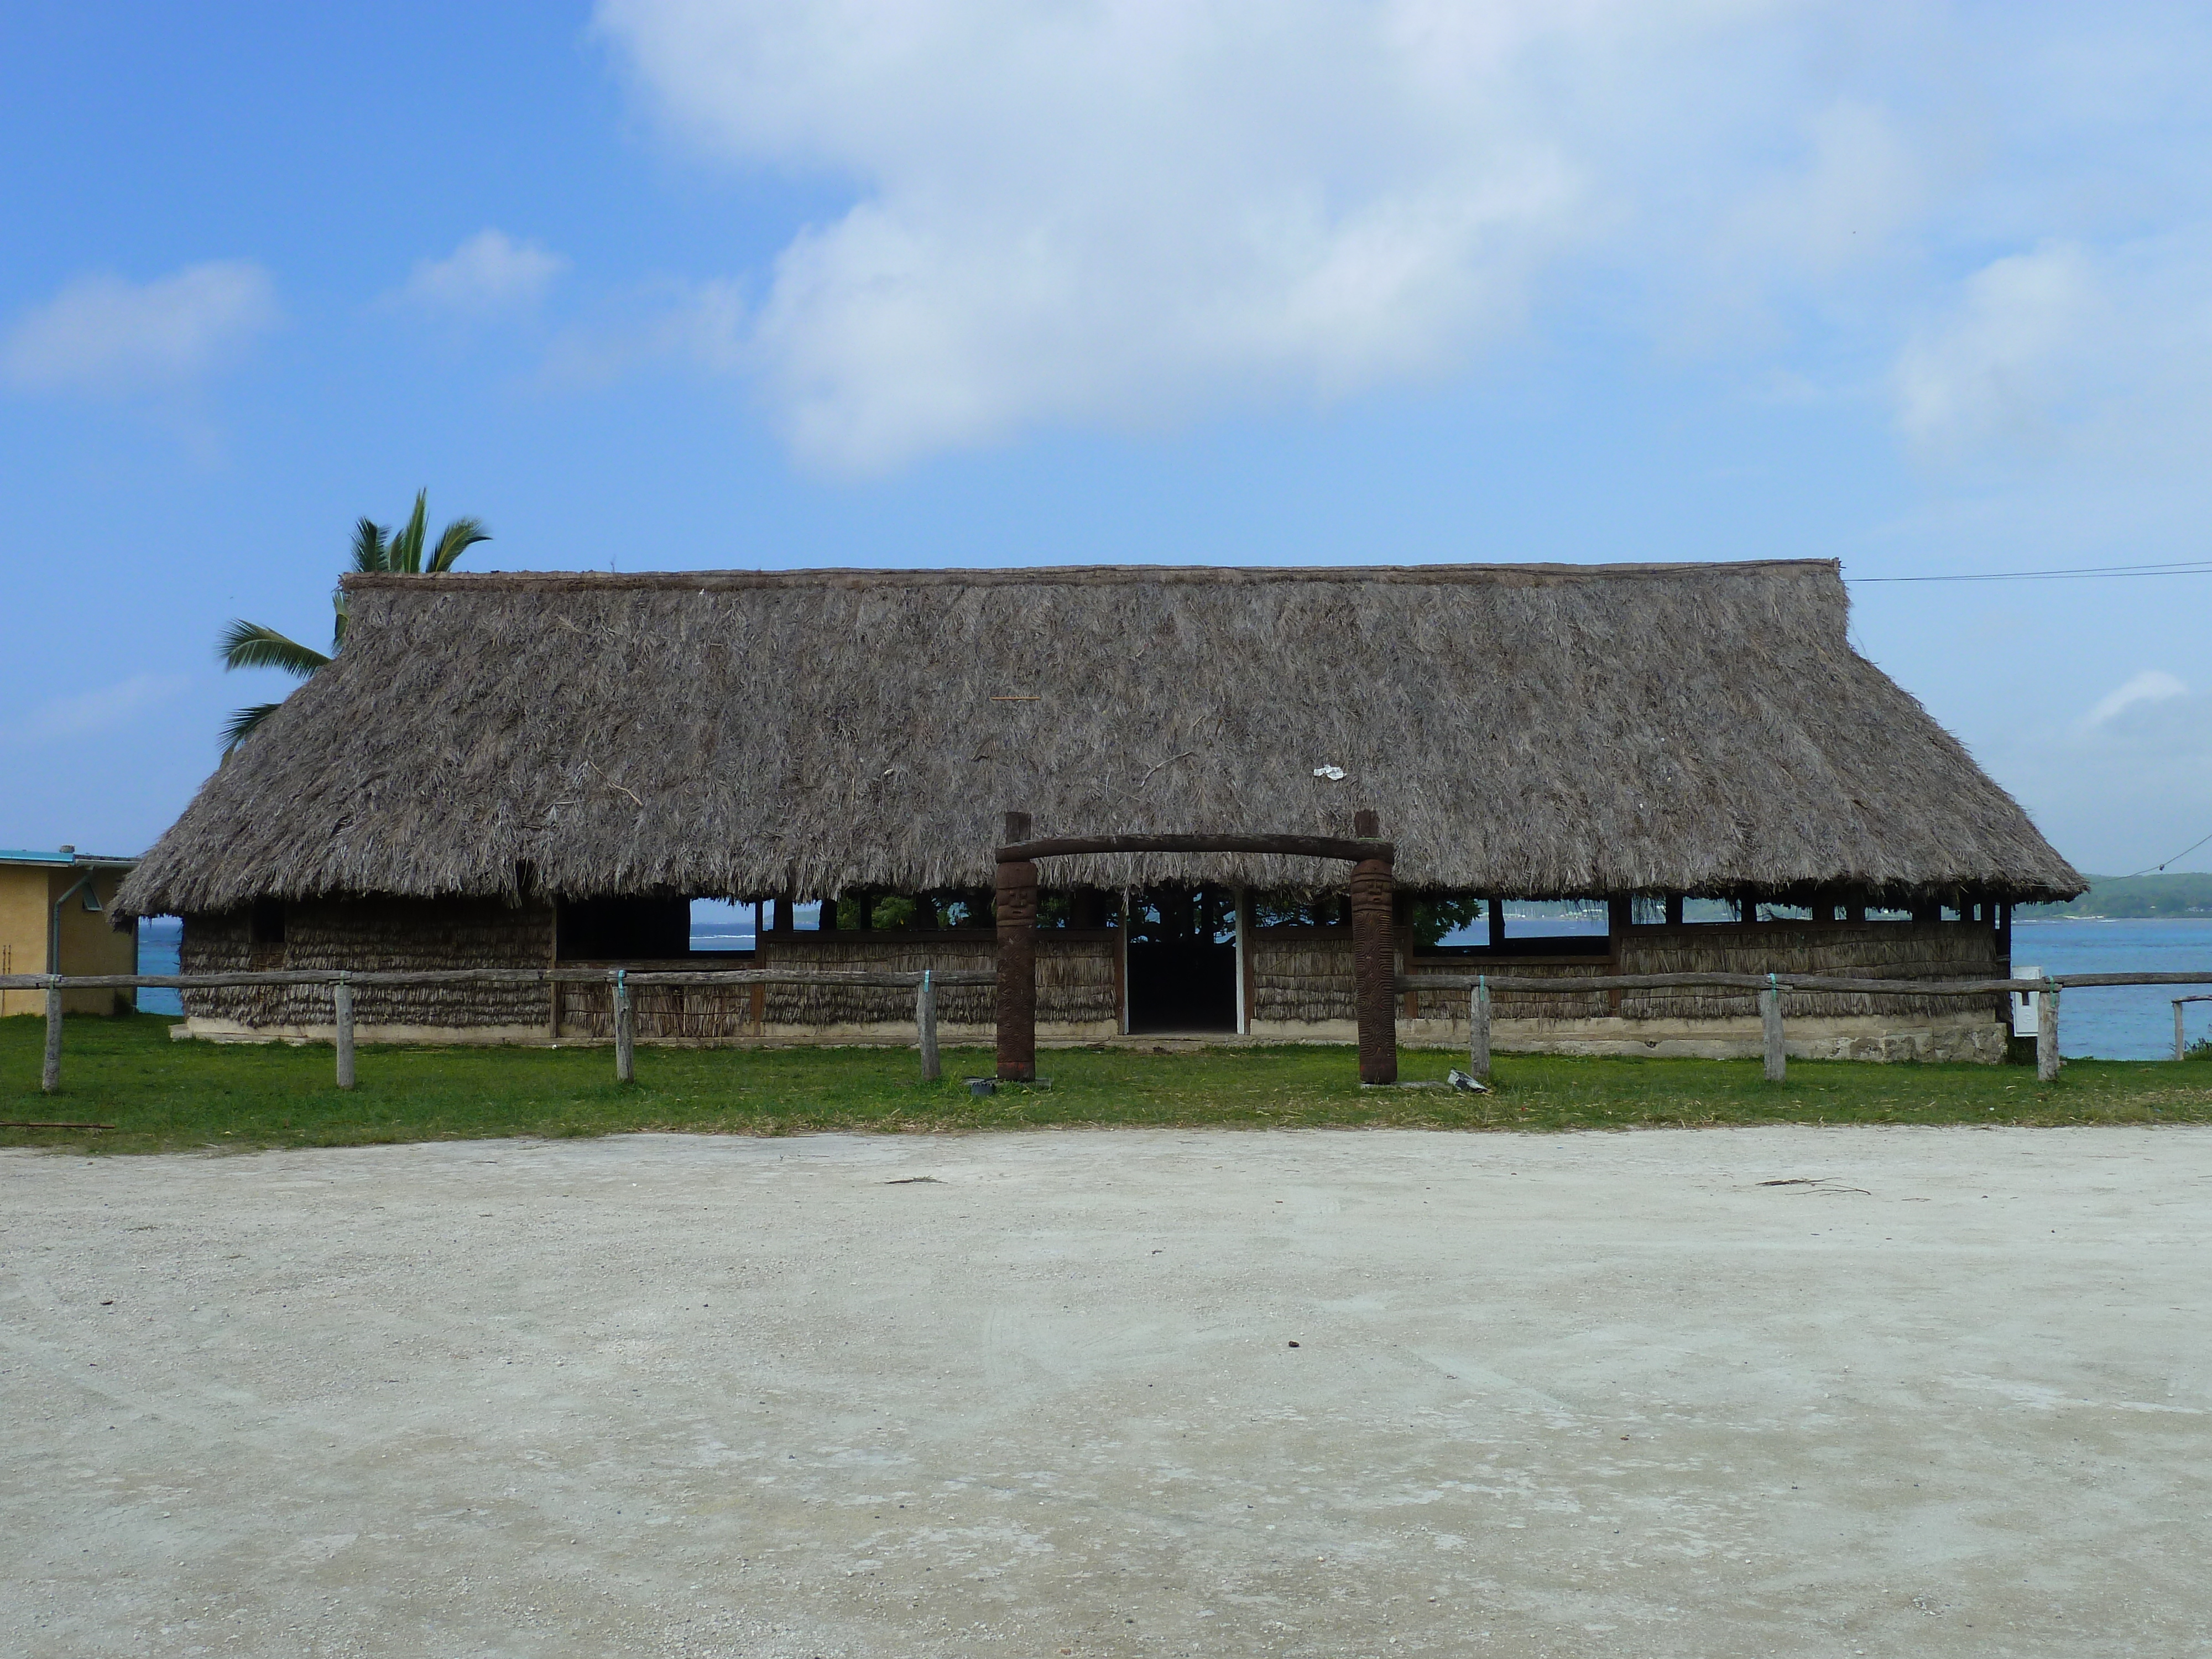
x=2121 y=897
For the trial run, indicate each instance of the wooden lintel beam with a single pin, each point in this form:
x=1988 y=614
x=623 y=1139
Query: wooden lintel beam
x=1306 y=846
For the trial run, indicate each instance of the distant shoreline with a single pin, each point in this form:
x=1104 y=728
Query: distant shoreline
x=2186 y=896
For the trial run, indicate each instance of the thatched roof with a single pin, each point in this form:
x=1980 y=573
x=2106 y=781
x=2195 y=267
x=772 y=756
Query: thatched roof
x=1537 y=730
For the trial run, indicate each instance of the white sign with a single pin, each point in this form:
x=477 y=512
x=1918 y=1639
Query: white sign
x=2026 y=1005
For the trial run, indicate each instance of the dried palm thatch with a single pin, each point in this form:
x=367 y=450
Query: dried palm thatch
x=1538 y=730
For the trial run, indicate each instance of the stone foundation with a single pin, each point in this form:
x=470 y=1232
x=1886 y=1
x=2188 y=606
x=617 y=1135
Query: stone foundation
x=1959 y=1039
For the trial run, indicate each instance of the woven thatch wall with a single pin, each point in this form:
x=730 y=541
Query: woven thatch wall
x=1299 y=975
x=1075 y=984
x=699 y=1013
x=389 y=935
x=1517 y=1005
x=1541 y=731
x=1871 y=950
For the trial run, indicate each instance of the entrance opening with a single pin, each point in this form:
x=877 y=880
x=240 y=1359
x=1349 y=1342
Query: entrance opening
x=1182 y=960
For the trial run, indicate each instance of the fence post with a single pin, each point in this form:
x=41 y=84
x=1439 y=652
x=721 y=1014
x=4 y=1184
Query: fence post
x=2179 y=1051
x=342 y=1015
x=49 y=1078
x=1478 y=1029
x=1770 y=1031
x=2046 y=1032
x=924 y=1021
x=625 y=1032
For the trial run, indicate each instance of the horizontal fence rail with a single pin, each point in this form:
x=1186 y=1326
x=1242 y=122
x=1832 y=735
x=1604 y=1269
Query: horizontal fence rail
x=487 y=976
x=1481 y=986
x=344 y=982
x=924 y=982
x=1918 y=988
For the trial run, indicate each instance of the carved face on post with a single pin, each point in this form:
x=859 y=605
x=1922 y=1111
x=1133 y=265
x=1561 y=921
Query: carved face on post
x=1017 y=1010
x=1373 y=891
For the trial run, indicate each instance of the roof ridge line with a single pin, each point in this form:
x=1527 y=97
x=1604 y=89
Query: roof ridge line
x=1531 y=574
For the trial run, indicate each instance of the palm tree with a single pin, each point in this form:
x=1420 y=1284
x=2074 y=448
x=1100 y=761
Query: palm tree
x=250 y=645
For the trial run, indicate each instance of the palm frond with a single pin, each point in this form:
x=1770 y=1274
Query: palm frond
x=239 y=726
x=407 y=546
x=249 y=645
x=337 y=620
x=370 y=552
x=459 y=537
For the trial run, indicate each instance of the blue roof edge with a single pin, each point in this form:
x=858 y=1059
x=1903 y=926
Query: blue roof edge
x=30 y=855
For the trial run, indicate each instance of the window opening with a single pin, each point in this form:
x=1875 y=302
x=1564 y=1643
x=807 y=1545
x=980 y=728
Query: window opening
x=719 y=926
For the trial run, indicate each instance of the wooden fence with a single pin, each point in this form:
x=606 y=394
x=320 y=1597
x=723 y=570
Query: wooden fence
x=343 y=986
x=1478 y=988
x=1771 y=986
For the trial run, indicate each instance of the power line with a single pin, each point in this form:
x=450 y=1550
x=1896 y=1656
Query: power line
x=2179 y=568
x=2184 y=568
x=2183 y=853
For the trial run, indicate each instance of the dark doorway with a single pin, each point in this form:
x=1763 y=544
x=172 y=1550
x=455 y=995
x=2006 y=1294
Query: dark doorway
x=1182 y=960
x=615 y=929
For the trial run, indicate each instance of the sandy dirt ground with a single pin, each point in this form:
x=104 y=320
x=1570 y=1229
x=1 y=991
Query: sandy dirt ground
x=1115 y=1394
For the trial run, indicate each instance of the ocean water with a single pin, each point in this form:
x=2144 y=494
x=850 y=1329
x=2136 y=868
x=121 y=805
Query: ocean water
x=2127 y=1022
x=159 y=938
x=2133 y=1022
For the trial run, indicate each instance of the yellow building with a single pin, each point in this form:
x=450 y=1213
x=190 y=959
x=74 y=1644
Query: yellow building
x=54 y=915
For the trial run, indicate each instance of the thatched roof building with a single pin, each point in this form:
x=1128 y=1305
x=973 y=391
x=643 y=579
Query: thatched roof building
x=1533 y=730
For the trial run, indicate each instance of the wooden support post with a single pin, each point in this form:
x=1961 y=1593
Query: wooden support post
x=50 y=1078
x=1494 y=908
x=925 y=1024
x=1673 y=910
x=1016 y=906
x=1245 y=977
x=1770 y=1031
x=761 y=957
x=342 y=1018
x=2046 y=1033
x=1372 y=886
x=553 y=961
x=1403 y=921
x=1478 y=1029
x=625 y=1032
x=2179 y=1051
x=1619 y=917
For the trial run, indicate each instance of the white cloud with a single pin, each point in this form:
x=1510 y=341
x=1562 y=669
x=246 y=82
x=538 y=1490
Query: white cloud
x=84 y=713
x=2124 y=787
x=2104 y=350
x=2005 y=357
x=1124 y=213
x=702 y=325
x=1129 y=213
x=104 y=334
x=490 y=272
x=2152 y=686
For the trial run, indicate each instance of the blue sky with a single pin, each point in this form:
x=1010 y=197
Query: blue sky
x=668 y=283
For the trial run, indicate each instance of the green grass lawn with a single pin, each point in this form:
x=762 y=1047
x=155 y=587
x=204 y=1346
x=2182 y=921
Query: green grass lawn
x=162 y=1096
